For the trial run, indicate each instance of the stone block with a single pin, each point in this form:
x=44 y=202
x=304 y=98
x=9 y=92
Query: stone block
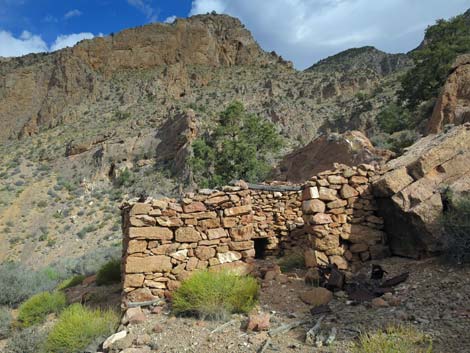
x=187 y=235
x=158 y=263
x=152 y=233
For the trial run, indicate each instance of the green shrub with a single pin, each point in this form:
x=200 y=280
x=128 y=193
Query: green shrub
x=35 y=309
x=215 y=295
x=291 y=262
x=5 y=322
x=78 y=327
x=394 y=118
x=71 y=282
x=109 y=273
x=242 y=146
x=395 y=339
x=456 y=227
x=443 y=43
x=18 y=283
x=29 y=340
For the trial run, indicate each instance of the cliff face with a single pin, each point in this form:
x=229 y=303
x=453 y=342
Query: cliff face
x=453 y=104
x=36 y=89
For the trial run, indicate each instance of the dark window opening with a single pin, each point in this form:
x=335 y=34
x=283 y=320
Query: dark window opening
x=260 y=247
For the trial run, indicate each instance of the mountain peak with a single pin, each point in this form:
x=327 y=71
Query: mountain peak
x=367 y=57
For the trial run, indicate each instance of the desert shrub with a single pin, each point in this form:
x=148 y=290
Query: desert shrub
x=395 y=339
x=78 y=327
x=291 y=262
x=456 y=227
x=29 y=340
x=89 y=263
x=443 y=43
x=125 y=178
x=109 y=273
x=18 y=283
x=394 y=118
x=242 y=146
x=396 y=142
x=35 y=309
x=71 y=282
x=215 y=295
x=5 y=322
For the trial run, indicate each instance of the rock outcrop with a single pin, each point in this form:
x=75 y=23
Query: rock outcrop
x=453 y=104
x=351 y=148
x=410 y=192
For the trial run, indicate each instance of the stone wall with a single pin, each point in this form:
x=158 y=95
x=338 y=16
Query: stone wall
x=331 y=219
x=166 y=239
x=340 y=215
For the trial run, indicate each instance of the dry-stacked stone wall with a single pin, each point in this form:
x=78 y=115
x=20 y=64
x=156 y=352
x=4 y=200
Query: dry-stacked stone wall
x=277 y=217
x=166 y=239
x=340 y=215
x=332 y=219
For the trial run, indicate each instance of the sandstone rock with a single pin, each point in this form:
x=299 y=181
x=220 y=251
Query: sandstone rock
x=216 y=233
x=236 y=211
x=367 y=235
x=339 y=261
x=310 y=192
x=312 y=277
x=350 y=148
x=313 y=206
x=113 y=339
x=141 y=295
x=158 y=263
x=452 y=106
x=157 y=233
x=327 y=194
x=140 y=209
x=321 y=218
x=229 y=256
x=204 y=252
x=187 y=235
x=241 y=245
x=194 y=207
x=411 y=205
x=135 y=280
x=242 y=233
x=347 y=192
x=379 y=303
x=258 y=322
x=216 y=200
x=310 y=258
x=392 y=182
x=316 y=296
x=135 y=246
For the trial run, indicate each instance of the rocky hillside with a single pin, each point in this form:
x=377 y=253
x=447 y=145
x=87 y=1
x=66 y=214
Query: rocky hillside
x=84 y=126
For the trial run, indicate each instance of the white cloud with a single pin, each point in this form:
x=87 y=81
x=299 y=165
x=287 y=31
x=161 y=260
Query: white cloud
x=145 y=7
x=170 y=19
x=306 y=31
x=69 y=40
x=72 y=13
x=26 y=43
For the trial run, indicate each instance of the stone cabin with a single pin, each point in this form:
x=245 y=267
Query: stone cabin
x=330 y=219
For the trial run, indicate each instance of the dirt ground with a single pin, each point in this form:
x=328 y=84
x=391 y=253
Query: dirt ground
x=435 y=299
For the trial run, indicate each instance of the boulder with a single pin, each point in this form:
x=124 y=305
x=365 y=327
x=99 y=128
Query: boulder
x=411 y=194
x=351 y=148
x=316 y=296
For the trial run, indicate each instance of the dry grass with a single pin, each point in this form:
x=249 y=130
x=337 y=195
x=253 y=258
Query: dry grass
x=394 y=339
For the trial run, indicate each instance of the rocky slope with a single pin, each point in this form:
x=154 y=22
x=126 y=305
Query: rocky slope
x=84 y=126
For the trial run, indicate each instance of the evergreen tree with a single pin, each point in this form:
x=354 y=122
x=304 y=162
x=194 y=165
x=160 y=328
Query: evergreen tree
x=241 y=146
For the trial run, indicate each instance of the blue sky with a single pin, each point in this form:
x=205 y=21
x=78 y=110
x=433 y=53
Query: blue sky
x=303 y=31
